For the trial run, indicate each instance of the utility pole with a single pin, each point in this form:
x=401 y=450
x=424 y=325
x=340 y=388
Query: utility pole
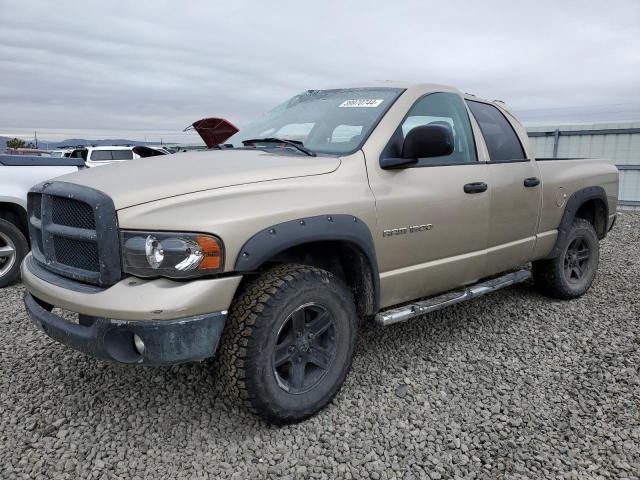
x=35 y=134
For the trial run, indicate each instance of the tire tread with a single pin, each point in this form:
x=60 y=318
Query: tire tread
x=243 y=322
x=22 y=248
x=548 y=274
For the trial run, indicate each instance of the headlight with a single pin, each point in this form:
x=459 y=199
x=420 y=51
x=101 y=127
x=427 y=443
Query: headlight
x=173 y=255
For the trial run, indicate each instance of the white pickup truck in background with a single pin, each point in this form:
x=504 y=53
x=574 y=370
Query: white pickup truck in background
x=18 y=174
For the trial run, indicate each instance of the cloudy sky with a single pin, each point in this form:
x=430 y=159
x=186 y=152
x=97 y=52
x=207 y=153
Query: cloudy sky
x=134 y=69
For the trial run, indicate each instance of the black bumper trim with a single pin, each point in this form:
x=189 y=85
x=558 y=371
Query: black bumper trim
x=166 y=342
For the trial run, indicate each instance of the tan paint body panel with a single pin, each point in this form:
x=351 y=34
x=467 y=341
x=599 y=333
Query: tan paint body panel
x=139 y=299
x=572 y=175
x=236 y=213
x=513 y=217
x=419 y=264
x=237 y=193
x=155 y=178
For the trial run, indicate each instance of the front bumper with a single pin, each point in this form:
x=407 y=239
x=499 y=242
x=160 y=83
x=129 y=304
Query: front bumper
x=164 y=342
x=173 y=320
x=132 y=298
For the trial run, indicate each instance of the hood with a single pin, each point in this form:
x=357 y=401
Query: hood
x=148 y=179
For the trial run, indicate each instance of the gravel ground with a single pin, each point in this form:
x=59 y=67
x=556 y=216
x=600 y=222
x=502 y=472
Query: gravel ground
x=512 y=385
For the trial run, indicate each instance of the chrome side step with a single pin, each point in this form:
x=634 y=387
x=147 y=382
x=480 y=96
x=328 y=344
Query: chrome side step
x=406 y=312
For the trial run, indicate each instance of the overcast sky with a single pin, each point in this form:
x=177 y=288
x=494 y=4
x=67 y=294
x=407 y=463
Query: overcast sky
x=140 y=70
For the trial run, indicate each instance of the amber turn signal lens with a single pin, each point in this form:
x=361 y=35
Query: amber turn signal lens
x=211 y=251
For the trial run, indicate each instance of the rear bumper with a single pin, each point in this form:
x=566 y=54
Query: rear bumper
x=149 y=342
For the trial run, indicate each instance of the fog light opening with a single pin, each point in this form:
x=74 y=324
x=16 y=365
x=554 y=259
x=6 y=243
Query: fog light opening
x=138 y=344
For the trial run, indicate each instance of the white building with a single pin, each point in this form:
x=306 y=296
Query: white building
x=619 y=142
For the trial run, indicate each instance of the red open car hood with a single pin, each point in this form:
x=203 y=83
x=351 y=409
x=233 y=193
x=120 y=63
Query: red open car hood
x=214 y=130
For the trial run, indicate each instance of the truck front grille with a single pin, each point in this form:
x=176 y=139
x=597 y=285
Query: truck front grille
x=69 y=212
x=74 y=232
x=76 y=253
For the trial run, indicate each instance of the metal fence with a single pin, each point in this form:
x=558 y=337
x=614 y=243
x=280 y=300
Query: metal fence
x=619 y=142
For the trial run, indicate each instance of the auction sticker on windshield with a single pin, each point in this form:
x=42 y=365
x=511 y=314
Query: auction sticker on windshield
x=360 y=102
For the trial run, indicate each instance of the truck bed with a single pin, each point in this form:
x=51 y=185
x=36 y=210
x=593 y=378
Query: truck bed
x=563 y=176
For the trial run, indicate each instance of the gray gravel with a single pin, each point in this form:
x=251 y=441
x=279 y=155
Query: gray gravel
x=512 y=385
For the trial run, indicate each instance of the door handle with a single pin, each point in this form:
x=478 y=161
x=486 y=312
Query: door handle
x=475 y=187
x=531 y=182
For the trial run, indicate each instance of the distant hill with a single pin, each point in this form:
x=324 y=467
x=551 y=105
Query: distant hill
x=74 y=142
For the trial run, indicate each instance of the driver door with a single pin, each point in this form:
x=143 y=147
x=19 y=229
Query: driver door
x=432 y=231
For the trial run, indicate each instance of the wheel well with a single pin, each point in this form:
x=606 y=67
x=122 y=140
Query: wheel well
x=15 y=214
x=344 y=259
x=595 y=212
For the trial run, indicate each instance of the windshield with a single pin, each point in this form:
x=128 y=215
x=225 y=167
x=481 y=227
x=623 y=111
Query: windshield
x=325 y=121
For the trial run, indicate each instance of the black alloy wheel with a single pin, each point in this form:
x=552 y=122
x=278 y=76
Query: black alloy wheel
x=576 y=259
x=571 y=273
x=288 y=342
x=305 y=348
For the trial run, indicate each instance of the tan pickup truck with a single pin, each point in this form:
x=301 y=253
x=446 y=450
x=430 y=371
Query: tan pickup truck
x=340 y=206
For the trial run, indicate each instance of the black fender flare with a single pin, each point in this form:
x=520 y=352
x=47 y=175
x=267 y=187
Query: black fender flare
x=576 y=200
x=331 y=227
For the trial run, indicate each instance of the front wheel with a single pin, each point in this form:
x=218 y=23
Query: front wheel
x=571 y=273
x=13 y=248
x=289 y=342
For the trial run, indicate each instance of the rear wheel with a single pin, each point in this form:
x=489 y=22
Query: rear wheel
x=288 y=343
x=571 y=273
x=13 y=248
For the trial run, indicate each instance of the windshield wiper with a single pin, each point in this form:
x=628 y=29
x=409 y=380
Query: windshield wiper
x=298 y=145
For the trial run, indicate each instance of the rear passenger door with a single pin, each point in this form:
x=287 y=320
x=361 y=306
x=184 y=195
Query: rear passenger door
x=515 y=190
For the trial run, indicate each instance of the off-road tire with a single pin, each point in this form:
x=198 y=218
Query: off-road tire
x=550 y=276
x=255 y=320
x=21 y=247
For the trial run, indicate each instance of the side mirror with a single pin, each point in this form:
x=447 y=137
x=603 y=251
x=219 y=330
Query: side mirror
x=424 y=141
x=428 y=141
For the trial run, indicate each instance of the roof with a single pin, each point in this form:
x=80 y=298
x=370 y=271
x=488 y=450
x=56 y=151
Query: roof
x=414 y=85
x=107 y=147
x=387 y=84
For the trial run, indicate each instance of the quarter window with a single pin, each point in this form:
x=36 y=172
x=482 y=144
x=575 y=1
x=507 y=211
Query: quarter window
x=122 y=154
x=502 y=141
x=446 y=109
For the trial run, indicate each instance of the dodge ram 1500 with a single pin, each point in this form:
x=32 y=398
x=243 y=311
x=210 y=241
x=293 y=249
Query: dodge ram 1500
x=341 y=206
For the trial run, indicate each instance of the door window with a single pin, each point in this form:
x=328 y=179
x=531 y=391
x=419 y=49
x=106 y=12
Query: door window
x=79 y=153
x=100 y=155
x=106 y=155
x=448 y=110
x=502 y=141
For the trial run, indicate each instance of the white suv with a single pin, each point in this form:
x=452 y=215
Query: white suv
x=98 y=156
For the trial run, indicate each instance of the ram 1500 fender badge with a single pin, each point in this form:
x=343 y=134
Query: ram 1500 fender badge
x=392 y=232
